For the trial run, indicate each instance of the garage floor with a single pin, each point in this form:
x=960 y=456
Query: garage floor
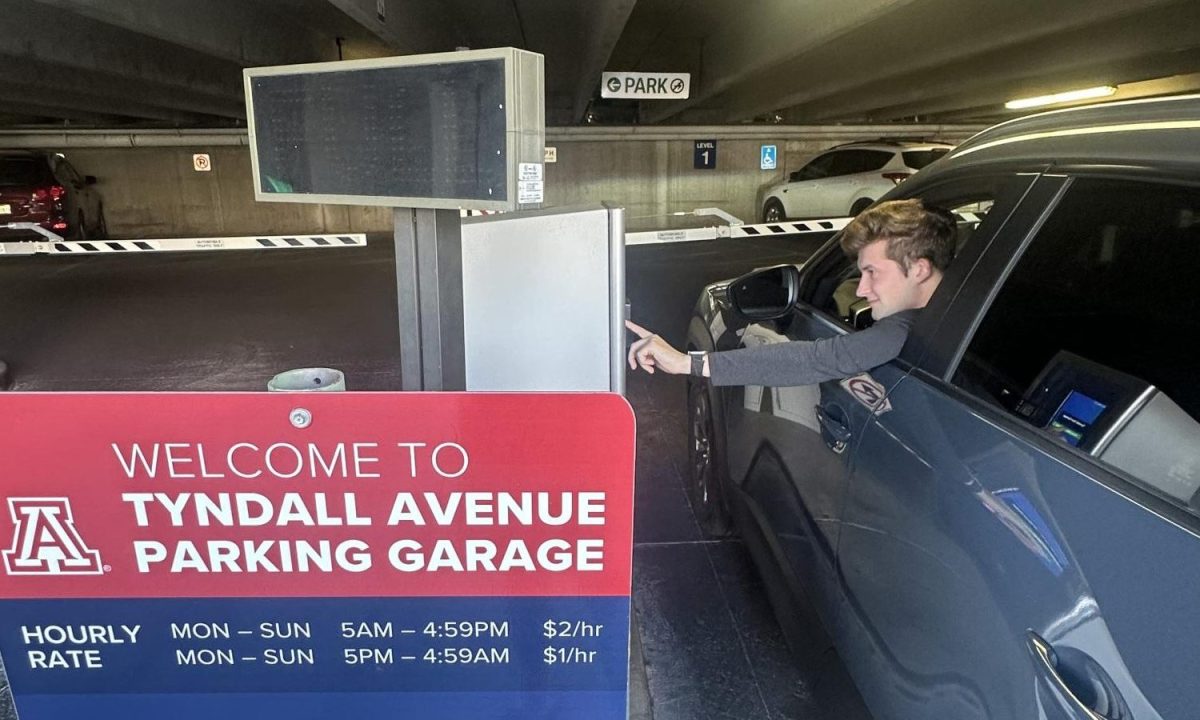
x=708 y=645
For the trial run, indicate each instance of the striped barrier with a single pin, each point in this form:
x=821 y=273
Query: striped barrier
x=248 y=242
x=789 y=227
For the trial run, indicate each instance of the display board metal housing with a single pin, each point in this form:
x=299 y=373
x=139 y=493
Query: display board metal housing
x=445 y=130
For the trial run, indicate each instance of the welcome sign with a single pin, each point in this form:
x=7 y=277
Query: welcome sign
x=352 y=555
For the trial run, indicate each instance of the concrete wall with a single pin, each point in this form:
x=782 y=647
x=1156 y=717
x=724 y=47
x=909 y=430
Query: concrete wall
x=155 y=192
x=651 y=173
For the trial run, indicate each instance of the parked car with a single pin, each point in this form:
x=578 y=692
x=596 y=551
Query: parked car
x=847 y=179
x=43 y=188
x=1004 y=522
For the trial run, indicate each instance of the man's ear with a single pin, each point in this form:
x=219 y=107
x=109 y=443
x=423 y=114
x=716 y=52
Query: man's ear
x=921 y=270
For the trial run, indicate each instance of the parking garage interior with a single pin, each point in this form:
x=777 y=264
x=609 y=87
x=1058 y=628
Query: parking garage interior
x=132 y=93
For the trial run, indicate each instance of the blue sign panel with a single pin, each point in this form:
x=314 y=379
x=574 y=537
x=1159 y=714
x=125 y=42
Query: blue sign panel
x=395 y=555
x=767 y=158
x=704 y=155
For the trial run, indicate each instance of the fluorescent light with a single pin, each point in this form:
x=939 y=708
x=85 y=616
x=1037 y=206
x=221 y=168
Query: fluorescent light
x=1063 y=97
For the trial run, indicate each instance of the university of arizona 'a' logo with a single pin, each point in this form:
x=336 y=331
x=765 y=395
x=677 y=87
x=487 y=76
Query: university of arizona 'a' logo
x=45 y=541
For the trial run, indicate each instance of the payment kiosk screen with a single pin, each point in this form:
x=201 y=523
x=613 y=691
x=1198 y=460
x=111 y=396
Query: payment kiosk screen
x=1074 y=417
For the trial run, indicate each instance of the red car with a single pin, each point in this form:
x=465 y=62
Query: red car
x=43 y=188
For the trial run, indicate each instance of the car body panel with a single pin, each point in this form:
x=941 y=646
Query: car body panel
x=780 y=464
x=952 y=550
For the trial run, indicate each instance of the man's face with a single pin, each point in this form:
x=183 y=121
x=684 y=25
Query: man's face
x=884 y=284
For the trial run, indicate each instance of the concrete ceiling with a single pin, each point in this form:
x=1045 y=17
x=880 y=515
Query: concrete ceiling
x=177 y=63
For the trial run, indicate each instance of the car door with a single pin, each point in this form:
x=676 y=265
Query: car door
x=1021 y=536
x=787 y=446
x=855 y=175
x=776 y=454
x=803 y=198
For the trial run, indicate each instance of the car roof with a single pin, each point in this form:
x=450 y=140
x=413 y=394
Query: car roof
x=1159 y=131
x=30 y=154
x=897 y=144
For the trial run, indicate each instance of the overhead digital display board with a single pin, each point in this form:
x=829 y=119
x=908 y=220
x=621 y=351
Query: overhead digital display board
x=445 y=130
x=257 y=556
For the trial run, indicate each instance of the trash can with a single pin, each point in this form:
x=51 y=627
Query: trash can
x=308 y=380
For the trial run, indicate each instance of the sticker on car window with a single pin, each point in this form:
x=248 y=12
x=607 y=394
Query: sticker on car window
x=868 y=392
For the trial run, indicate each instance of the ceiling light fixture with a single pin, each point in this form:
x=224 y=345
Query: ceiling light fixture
x=1063 y=97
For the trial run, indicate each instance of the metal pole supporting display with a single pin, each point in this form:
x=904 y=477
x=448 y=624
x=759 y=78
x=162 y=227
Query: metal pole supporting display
x=429 y=289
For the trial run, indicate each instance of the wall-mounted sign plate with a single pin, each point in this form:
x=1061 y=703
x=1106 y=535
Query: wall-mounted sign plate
x=645 y=86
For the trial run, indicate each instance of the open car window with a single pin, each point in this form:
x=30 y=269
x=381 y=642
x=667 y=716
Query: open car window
x=835 y=291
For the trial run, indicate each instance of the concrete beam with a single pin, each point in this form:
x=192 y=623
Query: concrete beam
x=1160 y=41
x=34 y=112
x=71 y=44
x=832 y=55
x=1184 y=84
x=737 y=47
x=673 y=133
x=987 y=99
x=79 y=100
x=578 y=39
x=406 y=27
x=245 y=33
x=137 y=96
x=63 y=139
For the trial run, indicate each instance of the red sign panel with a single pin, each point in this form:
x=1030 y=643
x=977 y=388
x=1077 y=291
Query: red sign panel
x=315 y=495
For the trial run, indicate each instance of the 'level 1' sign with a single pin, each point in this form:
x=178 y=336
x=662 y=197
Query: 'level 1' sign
x=704 y=155
x=645 y=86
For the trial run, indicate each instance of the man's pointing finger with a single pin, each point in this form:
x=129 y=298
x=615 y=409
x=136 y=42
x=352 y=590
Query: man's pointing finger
x=638 y=329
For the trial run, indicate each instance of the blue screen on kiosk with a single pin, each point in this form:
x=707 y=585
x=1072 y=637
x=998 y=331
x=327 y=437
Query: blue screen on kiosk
x=1074 y=417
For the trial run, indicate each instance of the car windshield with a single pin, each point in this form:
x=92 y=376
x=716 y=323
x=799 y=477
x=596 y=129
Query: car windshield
x=917 y=159
x=21 y=171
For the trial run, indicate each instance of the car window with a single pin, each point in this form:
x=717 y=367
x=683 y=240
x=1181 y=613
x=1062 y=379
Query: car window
x=68 y=173
x=850 y=162
x=917 y=159
x=817 y=168
x=22 y=170
x=833 y=291
x=1088 y=339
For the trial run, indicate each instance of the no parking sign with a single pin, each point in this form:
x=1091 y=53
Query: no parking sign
x=350 y=555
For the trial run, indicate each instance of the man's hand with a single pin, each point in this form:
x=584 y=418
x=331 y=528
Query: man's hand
x=651 y=351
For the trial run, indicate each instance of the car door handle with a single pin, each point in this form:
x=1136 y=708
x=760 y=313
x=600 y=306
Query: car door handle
x=837 y=431
x=1103 y=701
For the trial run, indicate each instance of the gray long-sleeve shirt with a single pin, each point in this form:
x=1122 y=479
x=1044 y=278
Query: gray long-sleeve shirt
x=806 y=362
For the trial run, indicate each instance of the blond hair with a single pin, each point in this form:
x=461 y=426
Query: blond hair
x=912 y=229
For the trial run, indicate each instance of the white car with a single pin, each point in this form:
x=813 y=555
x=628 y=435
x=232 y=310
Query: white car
x=845 y=180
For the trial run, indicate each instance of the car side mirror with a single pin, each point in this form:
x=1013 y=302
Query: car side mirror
x=765 y=294
x=89 y=179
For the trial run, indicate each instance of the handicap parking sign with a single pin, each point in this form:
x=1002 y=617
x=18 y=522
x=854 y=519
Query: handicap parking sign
x=766 y=159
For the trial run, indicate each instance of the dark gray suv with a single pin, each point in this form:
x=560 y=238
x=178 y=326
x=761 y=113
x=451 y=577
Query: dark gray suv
x=1005 y=521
